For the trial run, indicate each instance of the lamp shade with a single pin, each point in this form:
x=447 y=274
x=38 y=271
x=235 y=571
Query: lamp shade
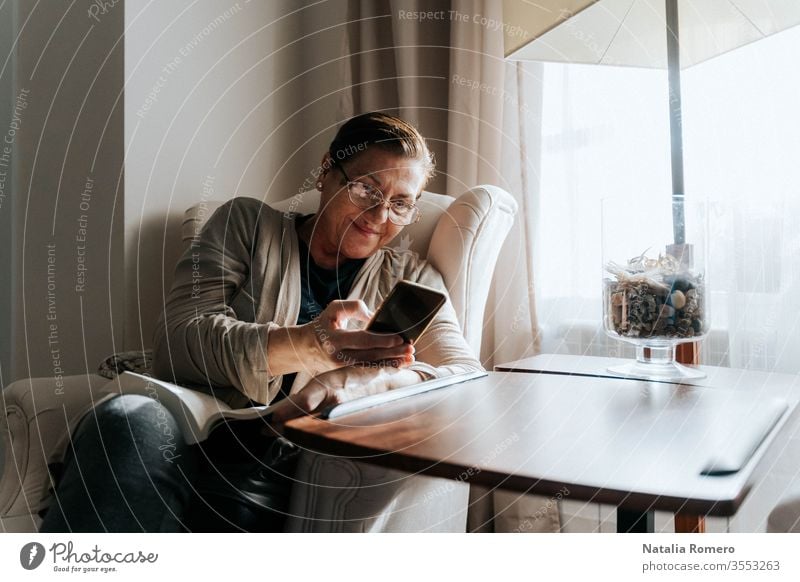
x=631 y=32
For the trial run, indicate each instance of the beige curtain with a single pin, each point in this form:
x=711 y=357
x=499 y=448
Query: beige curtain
x=448 y=76
x=398 y=64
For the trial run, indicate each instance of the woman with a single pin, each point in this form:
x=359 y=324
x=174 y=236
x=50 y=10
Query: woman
x=265 y=306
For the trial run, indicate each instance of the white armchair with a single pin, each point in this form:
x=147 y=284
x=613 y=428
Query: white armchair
x=37 y=418
x=460 y=237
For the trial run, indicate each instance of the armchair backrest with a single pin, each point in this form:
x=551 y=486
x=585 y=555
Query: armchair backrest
x=461 y=237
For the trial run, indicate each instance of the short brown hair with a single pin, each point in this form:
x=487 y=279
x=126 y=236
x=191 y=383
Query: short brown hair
x=387 y=132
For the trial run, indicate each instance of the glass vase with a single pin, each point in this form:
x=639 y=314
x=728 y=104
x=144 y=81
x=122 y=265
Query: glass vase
x=655 y=287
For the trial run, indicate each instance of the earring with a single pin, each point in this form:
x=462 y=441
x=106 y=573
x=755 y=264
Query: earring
x=319 y=185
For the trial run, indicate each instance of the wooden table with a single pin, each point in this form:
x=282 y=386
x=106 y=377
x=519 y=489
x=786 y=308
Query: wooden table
x=638 y=445
x=785 y=386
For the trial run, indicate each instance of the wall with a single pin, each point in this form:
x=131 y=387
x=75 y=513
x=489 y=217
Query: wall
x=7 y=176
x=66 y=204
x=223 y=99
x=198 y=98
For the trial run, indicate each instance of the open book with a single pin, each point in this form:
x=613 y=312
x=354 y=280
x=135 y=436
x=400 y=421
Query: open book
x=198 y=414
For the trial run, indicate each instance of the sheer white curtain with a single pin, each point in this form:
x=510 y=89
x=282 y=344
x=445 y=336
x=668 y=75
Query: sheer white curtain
x=605 y=132
x=743 y=145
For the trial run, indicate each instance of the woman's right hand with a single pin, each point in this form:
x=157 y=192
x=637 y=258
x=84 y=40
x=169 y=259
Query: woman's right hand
x=326 y=344
x=335 y=346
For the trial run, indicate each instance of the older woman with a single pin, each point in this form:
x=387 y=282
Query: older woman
x=266 y=306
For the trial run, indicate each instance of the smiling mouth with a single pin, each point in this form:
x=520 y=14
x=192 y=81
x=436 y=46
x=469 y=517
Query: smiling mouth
x=364 y=230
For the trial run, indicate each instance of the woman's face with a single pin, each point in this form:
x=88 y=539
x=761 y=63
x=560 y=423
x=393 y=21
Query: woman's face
x=345 y=231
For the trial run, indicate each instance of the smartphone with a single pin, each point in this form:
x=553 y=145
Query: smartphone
x=407 y=311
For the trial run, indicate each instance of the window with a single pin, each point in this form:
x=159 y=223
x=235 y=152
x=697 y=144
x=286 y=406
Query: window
x=605 y=132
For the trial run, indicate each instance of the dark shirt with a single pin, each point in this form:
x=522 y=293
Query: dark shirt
x=318 y=287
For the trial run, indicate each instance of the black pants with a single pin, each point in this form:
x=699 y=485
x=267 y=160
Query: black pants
x=128 y=469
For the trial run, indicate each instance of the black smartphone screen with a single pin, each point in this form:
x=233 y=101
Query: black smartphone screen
x=407 y=311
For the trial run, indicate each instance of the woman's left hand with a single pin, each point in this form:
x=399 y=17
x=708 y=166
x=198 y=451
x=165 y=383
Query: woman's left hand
x=340 y=385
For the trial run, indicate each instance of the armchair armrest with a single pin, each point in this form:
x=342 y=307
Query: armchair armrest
x=38 y=417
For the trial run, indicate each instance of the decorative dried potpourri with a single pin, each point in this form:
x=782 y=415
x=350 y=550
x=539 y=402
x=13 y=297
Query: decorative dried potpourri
x=654 y=298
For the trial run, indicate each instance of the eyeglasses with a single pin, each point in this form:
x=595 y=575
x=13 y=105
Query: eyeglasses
x=366 y=196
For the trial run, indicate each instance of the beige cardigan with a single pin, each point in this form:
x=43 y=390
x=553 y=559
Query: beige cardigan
x=240 y=277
